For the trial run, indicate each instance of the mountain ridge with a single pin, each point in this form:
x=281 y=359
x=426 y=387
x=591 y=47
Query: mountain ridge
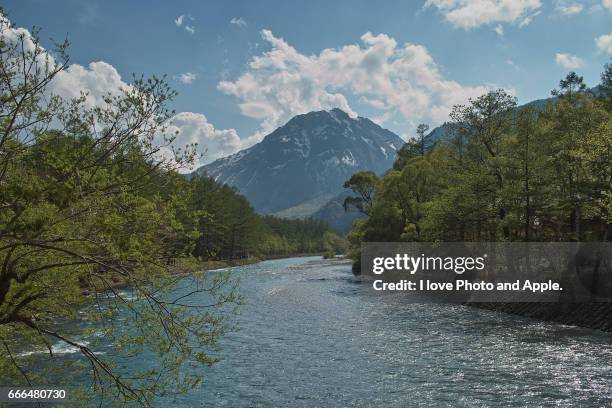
x=310 y=156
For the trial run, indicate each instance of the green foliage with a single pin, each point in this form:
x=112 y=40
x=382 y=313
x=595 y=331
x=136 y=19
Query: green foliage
x=90 y=200
x=364 y=185
x=282 y=236
x=328 y=255
x=332 y=242
x=506 y=174
x=226 y=227
x=86 y=207
x=414 y=147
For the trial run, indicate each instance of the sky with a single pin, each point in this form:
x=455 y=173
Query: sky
x=244 y=68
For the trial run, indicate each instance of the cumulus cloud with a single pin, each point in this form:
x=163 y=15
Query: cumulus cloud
x=239 y=21
x=468 y=14
x=187 y=77
x=404 y=80
x=213 y=143
x=569 y=61
x=607 y=4
x=499 y=30
x=100 y=78
x=604 y=42
x=181 y=21
x=97 y=80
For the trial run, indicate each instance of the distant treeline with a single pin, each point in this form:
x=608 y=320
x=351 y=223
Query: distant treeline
x=503 y=173
x=224 y=226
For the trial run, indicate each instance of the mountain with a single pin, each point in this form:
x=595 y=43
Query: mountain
x=301 y=165
x=335 y=216
x=332 y=211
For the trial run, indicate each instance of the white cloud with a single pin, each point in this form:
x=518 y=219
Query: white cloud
x=403 y=80
x=527 y=20
x=604 y=42
x=212 y=143
x=569 y=61
x=181 y=21
x=239 y=21
x=97 y=80
x=468 y=14
x=381 y=119
x=187 y=78
x=607 y=4
x=569 y=8
x=499 y=30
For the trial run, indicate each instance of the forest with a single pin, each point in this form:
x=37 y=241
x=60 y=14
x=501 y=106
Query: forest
x=218 y=223
x=502 y=173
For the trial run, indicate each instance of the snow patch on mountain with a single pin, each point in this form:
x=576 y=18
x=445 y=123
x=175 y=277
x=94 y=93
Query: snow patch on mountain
x=310 y=156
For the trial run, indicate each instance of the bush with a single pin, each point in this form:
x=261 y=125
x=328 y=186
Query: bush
x=328 y=255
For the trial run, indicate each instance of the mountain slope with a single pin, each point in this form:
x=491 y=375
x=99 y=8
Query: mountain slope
x=309 y=157
x=335 y=216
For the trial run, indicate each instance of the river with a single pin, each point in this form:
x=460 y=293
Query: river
x=317 y=337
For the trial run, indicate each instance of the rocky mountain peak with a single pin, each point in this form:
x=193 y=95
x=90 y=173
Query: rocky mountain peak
x=308 y=157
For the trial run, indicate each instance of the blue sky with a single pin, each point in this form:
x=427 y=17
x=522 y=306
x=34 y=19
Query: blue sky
x=239 y=80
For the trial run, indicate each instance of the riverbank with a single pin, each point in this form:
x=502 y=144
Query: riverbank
x=597 y=316
x=323 y=262
x=191 y=265
x=183 y=266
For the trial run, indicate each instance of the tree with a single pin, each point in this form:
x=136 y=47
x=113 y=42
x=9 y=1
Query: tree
x=570 y=119
x=363 y=184
x=409 y=191
x=529 y=179
x=414 y=147
x=502 y=173
x=606 y=86
x=570 y=85
x=480 y=128
x=83 y=208
x=422 y=138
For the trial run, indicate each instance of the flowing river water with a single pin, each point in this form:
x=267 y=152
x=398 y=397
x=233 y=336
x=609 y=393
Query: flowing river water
x=315 y=336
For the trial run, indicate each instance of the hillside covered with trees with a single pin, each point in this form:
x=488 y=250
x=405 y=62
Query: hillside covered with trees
x=216 y=222
x=503 y=174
